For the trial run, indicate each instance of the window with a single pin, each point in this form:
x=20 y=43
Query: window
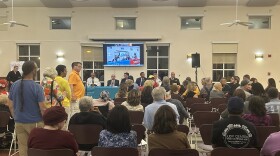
x=224 y=65
x=30 y=53
x=260 y=22
x=125 y=23
x=93 y=62
x=60 y=22
x=157 y=59
x=191 y=22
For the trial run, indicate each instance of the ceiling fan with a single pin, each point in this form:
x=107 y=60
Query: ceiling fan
x=12 y=22
x=237 y=21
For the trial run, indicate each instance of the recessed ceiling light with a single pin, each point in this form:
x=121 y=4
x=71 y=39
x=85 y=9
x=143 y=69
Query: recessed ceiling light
x=88 y=51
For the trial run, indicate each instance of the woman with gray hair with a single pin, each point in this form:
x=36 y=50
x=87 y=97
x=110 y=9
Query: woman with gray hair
x=53 y=96
x=104 y=103
x=166 y=83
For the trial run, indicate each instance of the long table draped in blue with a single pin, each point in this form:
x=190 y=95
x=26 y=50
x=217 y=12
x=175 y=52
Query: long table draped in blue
x=94 y=92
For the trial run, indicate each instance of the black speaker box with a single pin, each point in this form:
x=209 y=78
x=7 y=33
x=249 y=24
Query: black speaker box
x=195 y=60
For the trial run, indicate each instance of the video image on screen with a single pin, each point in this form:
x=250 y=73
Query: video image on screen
x=123 y=55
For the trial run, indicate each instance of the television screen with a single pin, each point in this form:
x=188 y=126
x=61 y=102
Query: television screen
x=123 y=54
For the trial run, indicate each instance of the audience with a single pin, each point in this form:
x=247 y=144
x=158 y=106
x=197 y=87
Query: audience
x=122 y=92
x=181 y=109
x=234 y=132
x=226 y=88
x=273 y=106
x=87 y=115
x=5 y=108
x=27 y=104
x=270 y=83
x=258 y=90
x=146 y=95
x=3 y=87
x=133 y=102
x=164 y=130
x=234 y=83
x=238 y=93
x=174 y=90
x=258 y=115
x=206 y=89
x=51 y=136
x=104 y=103
x=217 y=91
x=158 y=96
x=190 y=92
x=246 y=86
x=118 y=132
x=53 y=95
x=271 y=145
x=166 y=83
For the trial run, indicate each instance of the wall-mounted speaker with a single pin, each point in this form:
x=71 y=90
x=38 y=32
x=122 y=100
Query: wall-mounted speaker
x=195 y=60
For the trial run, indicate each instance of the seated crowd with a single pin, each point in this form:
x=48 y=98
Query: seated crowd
x=46 y=111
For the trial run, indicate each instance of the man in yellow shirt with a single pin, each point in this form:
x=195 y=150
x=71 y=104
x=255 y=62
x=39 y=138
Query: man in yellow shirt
x=64 y=87
x=77 y=87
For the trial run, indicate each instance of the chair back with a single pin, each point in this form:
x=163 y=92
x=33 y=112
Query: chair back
x=206 y=133
x=200 y=107
x=221 y=108
x=119 y=101
x=145 y=105
x=52 y=152
x=223 y=151
x=86 y=134
x=263 y=132
x=172 y=152
x=140 y=130
x=136 y=117
x=202 y=117
x=111 y=151
x=104 y=110
x=275 y=119
x=4 y=118
x=183 y=128
x=217 y=101
x=190 y=101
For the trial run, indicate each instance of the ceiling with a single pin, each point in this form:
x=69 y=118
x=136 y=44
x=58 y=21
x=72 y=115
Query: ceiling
x=134 y=3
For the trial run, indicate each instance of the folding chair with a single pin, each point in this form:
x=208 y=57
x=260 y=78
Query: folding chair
x=111 y=151
x=183 y=128
x=275 y=119
x=140 y=130
x=86 y=135
x=200 y=107
x=217 y=101
x=222 y=107
x=206 y=135
x=263 y=132
x=190 y=101
x=52 y=152
x=222 y=151
x=136 y=117
x=172 y=152
x=277 y=153
x=202 y=117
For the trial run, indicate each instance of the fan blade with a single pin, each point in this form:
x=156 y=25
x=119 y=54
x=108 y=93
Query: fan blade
x=226 y=23
x=245 y=23
x=21 y=24
x=232 y=24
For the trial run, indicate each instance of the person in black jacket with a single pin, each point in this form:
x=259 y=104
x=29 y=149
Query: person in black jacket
x=140 y=80
x=13 y=76
x=173 y=79
x=113 y=81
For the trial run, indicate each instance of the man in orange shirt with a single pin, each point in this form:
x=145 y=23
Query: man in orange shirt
x=77 y=87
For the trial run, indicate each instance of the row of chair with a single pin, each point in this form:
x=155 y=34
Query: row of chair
x=102 y=151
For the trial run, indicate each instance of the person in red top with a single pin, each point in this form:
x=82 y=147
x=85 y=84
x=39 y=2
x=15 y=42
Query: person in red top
x=3 y=86
x=51 y=136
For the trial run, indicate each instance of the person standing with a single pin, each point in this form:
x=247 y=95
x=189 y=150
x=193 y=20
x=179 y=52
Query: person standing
x=64 y=87
x=27 y=104
x=140 y=80
x=113 y=81
x=76 y=86
x=173 y=79
x=93 y=81
x=13 y=76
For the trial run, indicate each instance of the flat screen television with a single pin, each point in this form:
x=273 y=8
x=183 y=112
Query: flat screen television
x=123 y=54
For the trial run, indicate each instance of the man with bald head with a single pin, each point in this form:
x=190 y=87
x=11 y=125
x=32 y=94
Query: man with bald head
x=113 y=81
x=173 y=79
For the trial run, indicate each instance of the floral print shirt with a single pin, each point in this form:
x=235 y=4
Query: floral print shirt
x=46 y=84
x=108 y=139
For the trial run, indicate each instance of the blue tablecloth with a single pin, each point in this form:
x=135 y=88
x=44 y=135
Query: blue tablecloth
x=95 y=91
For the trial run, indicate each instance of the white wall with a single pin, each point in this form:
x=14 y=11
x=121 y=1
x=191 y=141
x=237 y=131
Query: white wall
x=164 y=21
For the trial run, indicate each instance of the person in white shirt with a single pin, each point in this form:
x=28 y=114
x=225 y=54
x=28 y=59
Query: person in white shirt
x=93 y=81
